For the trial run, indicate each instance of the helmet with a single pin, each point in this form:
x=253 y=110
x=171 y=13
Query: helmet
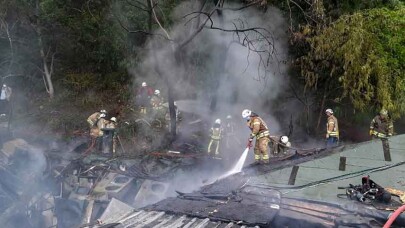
x=144 y=84
x=4 y=85
x=218 y=121
x=113 y=119
x=157 y=92
x=284 y=139
x=229 y=117
x=384 y=112
x=246 y=114
x=103 y=111
x=102 y=115
x=329 y=111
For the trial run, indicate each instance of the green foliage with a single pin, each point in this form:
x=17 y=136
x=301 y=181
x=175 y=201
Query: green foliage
x=361 y=57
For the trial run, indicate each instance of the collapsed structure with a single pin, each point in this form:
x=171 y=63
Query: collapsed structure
x=61 y=187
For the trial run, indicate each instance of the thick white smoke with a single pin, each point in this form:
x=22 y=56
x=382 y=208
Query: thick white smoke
x=216 y=63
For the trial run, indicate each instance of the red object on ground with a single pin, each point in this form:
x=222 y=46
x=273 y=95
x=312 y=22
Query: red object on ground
x=394 y=216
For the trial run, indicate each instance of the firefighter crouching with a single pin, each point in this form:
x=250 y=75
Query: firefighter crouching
x=215 y=134
x=281 y=145
x=382 y=127
x=332 y=129
x=261 y=132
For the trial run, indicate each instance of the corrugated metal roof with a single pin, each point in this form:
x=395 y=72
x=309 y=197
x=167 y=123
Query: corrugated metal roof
x=156 y=219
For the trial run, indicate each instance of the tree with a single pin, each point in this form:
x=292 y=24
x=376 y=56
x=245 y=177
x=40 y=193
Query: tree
x=360 y=57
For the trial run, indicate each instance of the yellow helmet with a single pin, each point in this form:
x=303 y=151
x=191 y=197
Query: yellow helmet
x=384 y=112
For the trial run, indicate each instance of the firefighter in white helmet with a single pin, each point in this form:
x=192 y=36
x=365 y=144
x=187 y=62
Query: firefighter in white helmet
x=280 y=144
x=143 y=97
x=215 y=137
x=332 y=129
x=261 y=132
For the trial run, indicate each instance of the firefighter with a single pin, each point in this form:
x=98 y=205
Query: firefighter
x=332 y=129
x=382 y=127
x=159 y=111
x=261 y=132
x=96 y=122
x=215 y=134
x=280 y=144
x=144 y=95
x=111 y=126
x=5 y=99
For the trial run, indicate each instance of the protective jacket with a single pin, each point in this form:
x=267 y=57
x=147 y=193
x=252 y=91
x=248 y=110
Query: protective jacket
x=216 y=132
x=332 y=127
x=258 y=127
x=156 y=101
x=93 y=119
x=382 y=127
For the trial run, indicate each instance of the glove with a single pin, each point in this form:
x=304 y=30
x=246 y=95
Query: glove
x=327 y=135
x=389 y=134
x=250 y=140
x=371 y=132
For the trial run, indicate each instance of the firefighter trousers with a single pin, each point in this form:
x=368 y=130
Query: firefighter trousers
x=215 y=143
x=261 y=151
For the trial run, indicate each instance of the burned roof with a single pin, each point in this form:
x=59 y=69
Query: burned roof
x=299 y=193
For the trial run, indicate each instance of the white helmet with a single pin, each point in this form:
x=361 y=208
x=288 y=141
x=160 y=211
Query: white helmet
x=103 y=111
x=144 y=84
x=102 y=115
x=113 y=119
x=246 y=114
x=229 y=117
x=4 y=85
x=329 y=111
x=284 y=139
x=218 y=121
x=157 y=92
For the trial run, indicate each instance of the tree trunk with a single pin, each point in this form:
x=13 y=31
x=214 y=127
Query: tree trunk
x=47 y=70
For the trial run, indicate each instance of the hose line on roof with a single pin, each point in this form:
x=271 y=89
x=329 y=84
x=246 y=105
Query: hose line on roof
x=332 y=179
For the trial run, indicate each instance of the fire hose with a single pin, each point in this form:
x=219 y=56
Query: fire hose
x=394 y=216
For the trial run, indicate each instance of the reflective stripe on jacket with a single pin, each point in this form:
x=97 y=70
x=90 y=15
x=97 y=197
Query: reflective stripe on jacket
x=258 y=127
x=382 y=127
x=216 y=133
x=332 y=127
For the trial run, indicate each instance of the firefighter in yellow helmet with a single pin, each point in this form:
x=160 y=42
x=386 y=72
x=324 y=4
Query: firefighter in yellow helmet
x=261 y=132
x=216 y=135
x=332 y=129
x=381 y=126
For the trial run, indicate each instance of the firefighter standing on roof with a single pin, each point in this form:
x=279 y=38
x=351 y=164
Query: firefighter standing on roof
x=215 y=134
x=382 y=127
x=261 y=132
x=332 y=129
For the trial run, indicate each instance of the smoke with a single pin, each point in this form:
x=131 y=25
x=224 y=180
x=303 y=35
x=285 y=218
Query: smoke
x=219 y=70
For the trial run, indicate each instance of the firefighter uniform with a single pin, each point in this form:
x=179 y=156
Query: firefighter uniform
x=261 y=132
x=382 y=127
x=96 y=122
x=332 y=131
x=215 y=134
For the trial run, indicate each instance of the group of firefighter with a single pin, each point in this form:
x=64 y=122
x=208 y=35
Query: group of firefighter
x=381 y=127
x=152 y=106
x=104 y=136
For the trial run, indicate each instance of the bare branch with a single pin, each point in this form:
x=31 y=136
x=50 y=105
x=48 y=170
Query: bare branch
x=140 y=31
